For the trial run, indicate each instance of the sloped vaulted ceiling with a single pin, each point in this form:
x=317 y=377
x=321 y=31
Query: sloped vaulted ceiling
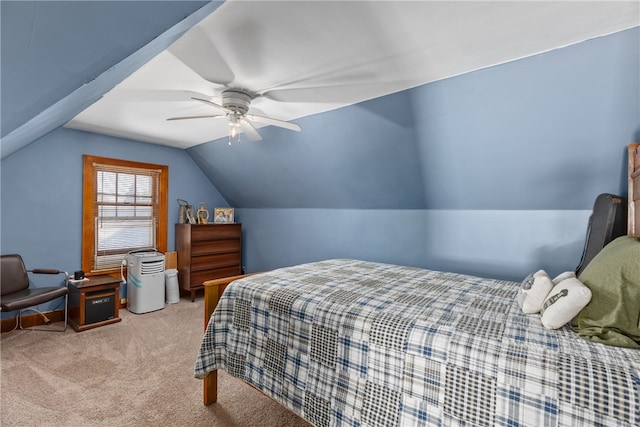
x=374 y=154
x=58 y=57
x=73 y=53
x=300 y=58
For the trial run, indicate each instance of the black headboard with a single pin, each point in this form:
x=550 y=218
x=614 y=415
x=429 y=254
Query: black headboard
x=607 y=222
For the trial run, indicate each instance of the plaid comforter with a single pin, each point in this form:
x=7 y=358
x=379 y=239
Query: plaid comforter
x=345 y=342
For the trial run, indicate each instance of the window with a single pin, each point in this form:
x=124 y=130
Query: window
x=124 y=209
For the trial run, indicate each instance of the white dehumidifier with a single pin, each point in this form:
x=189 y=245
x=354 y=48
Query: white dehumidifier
x=145 y=281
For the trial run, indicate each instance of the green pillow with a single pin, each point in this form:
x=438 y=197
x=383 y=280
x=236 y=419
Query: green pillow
x=613 y=276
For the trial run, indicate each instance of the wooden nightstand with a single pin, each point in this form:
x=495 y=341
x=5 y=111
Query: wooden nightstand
x=94 y=302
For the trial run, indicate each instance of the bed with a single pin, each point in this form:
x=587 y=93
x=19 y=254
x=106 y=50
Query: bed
x=352 y=342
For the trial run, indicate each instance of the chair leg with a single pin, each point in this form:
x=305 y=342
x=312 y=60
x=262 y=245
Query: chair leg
x=66 y=302
x=20 y=319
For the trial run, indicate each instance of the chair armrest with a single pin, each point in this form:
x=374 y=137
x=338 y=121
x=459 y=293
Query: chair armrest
x=51 y=271
x=46 y=271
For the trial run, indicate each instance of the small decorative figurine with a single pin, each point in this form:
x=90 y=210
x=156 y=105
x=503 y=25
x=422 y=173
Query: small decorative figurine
x=203 y=214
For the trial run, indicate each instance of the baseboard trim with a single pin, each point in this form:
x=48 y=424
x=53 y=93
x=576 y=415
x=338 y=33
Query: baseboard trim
x=36 y=319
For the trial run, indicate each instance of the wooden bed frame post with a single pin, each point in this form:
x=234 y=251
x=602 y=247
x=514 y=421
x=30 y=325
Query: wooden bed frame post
x=213 y=290
x=634 y=190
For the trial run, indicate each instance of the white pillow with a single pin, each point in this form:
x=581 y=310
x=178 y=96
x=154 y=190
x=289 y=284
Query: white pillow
x=535 y=288
x=562 y=276
x=564 y=303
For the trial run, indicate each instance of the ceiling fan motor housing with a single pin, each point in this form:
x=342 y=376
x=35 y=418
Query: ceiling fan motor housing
x=236 y=100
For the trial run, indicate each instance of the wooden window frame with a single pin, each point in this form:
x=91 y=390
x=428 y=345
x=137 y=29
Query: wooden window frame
x=88 y=229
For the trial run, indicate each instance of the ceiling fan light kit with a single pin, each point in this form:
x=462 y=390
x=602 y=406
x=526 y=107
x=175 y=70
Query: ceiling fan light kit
x=235 y=104
x=236 y=100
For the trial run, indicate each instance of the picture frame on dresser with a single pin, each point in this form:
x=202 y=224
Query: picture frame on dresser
x=223 y=215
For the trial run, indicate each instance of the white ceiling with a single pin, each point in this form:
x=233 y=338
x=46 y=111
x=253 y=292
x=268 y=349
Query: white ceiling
x=307 y=57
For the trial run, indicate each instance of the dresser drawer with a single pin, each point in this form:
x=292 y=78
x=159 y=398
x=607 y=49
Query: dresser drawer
x=208 y=262
x=212 y=232
x=199 y=277
x=215 y=247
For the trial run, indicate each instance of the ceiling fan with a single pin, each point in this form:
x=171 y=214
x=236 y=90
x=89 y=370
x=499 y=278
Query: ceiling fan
x=196 y=49
x=235 y=107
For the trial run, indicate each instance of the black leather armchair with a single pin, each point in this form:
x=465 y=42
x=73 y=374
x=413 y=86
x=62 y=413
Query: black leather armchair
x=16 y=294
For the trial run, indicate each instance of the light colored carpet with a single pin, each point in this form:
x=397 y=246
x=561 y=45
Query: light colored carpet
x=138 y=372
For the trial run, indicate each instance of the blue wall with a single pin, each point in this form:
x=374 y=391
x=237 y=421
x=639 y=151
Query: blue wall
x=500 y=244
x=41 y=215
x=545 y=132
x=359 y=157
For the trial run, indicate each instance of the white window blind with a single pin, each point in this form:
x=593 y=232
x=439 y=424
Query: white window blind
x=125 y=212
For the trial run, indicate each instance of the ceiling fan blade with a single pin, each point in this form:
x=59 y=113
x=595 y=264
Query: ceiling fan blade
x=157 y=95
x=196 y=50
x=274 y=122
x=347 y=93
x=325 y=78
x=249 y=130
x=208 y=116
x=211 y=103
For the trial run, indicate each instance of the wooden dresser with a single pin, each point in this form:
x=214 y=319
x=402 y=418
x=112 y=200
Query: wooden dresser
x=206 y=252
